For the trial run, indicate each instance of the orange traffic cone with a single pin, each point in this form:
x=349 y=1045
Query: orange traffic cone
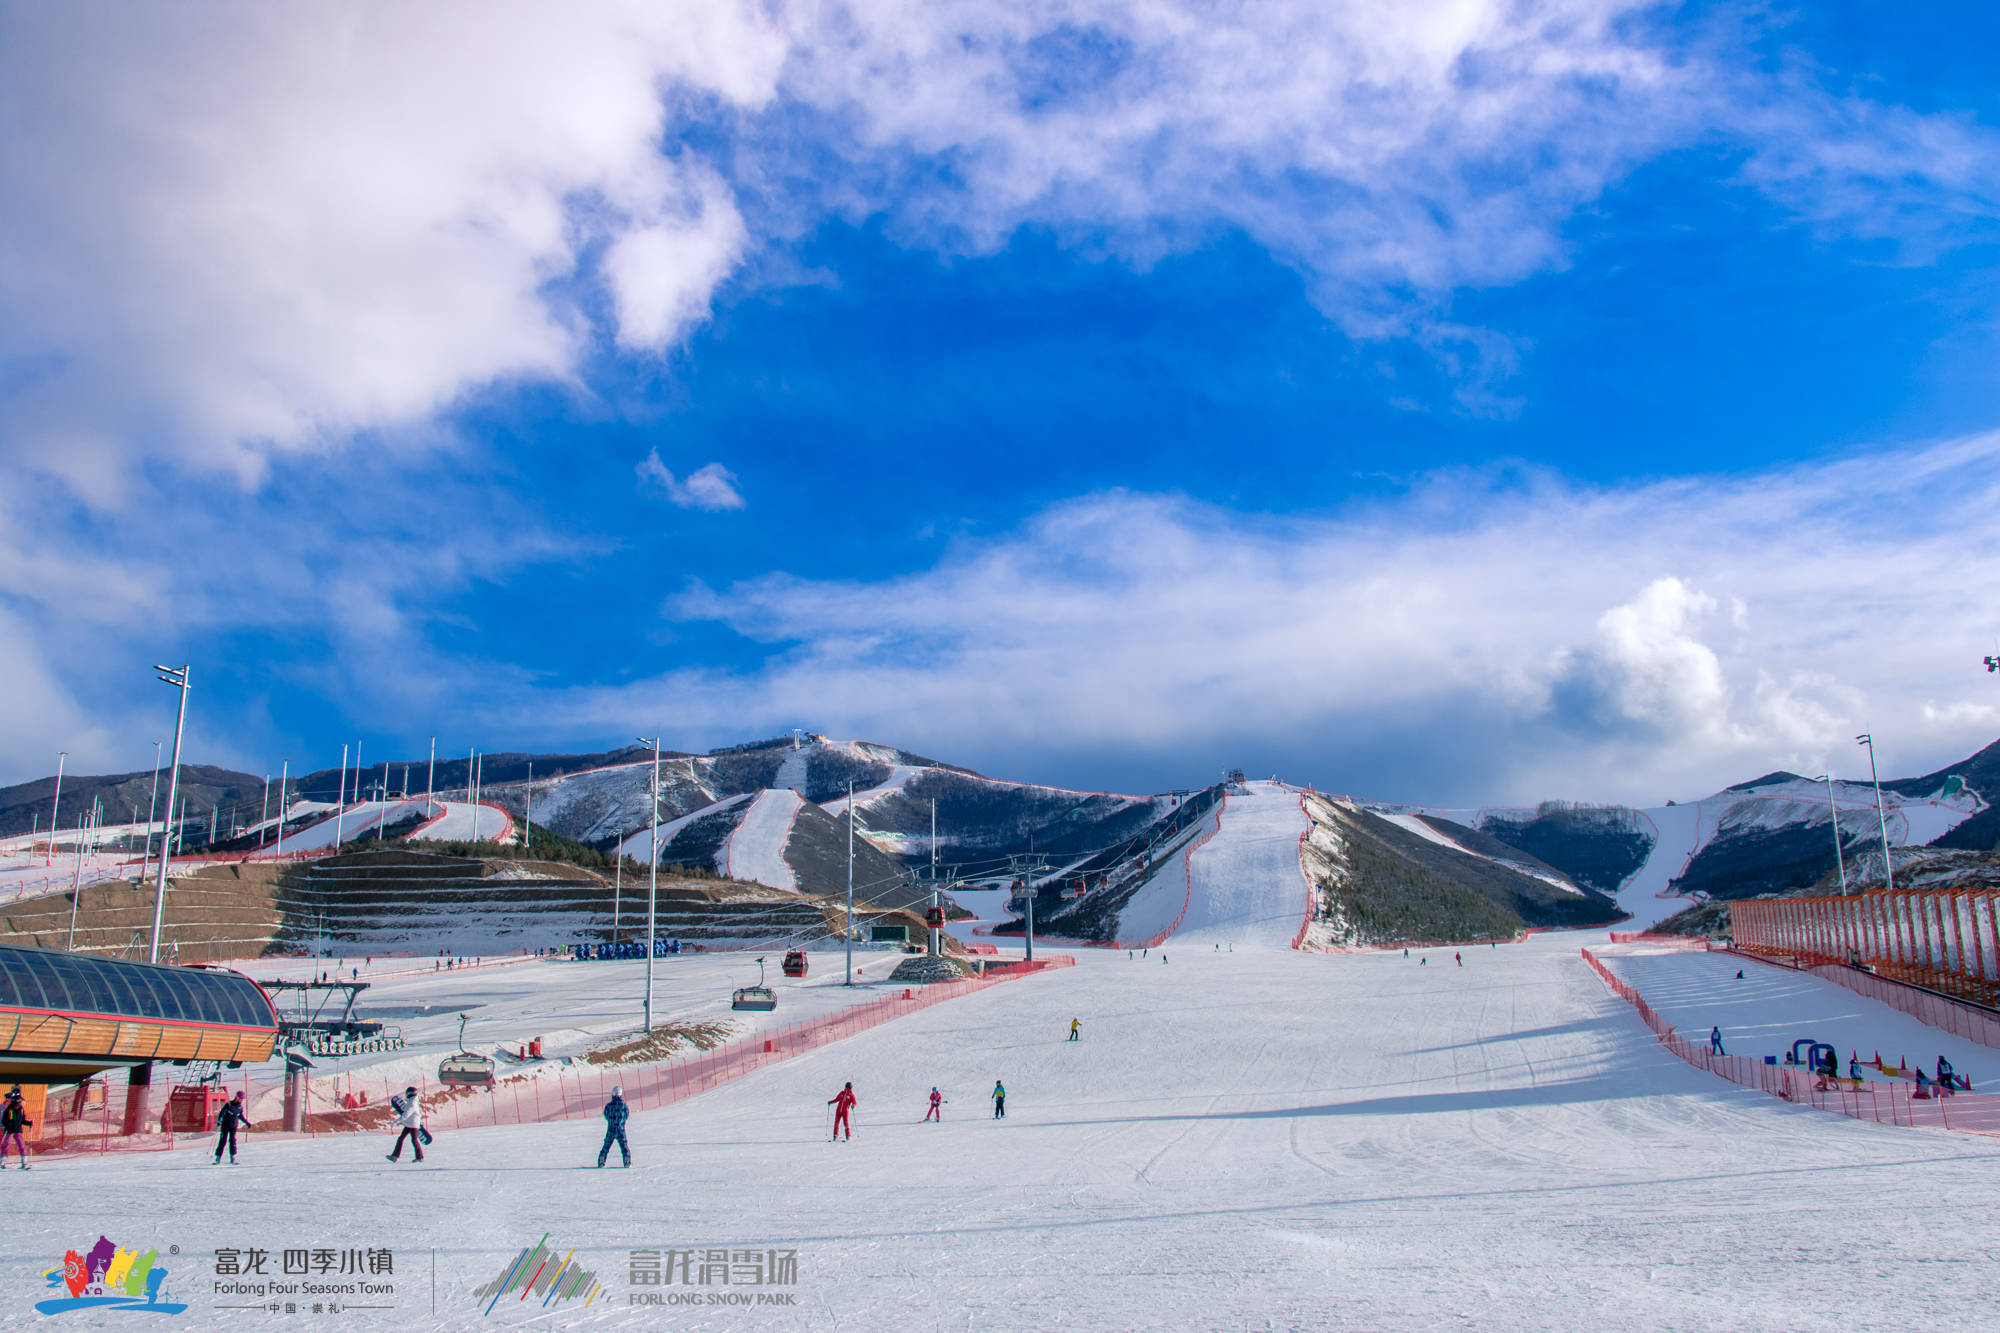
x=1878 y=1059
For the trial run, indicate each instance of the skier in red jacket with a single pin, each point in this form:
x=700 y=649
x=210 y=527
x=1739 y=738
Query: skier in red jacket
x=937 y=1103
x=842 y=1103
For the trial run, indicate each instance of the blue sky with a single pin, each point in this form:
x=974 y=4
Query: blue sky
x=1478 y=403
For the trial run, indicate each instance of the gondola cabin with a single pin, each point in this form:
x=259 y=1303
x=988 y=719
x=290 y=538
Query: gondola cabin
x=795 y=963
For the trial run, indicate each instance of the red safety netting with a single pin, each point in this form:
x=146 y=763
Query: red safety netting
x=1648 y=937
x=97 y=1120
x=1971 y=1022
x=1885 y=1103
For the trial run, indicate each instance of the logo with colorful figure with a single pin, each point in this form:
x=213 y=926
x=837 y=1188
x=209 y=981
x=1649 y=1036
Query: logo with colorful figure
x=109 y=1276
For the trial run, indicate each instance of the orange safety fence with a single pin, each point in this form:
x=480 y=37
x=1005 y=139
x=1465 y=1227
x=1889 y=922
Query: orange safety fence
x=95 y=1119
x=1884 y=1103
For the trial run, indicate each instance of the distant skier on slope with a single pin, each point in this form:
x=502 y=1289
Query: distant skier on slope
x=615 y=1113
x=1715 y=1041
x=999 y=1100
x=1458 y=958
x=228 y=1120
x=936 y=1112
x=409 y=1122
x=1076 y=1026
x=14 y=1124
x=842 y=1103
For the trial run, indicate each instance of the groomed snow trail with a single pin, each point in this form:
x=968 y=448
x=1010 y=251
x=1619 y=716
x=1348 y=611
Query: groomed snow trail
x=464 y=821
x=1264 y=1139
x=1249 y=889
x=1772 y=1007
x=756 y=851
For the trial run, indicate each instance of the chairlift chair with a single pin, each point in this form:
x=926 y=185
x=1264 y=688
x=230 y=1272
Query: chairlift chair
x=463 y=1068
x=759 y=998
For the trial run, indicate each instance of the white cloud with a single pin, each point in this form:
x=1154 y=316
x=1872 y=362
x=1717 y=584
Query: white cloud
x=711 y=486
x=1412 y=641
x=246 y=232
x=243 y=230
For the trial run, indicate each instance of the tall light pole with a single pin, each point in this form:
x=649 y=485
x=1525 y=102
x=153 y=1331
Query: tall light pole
x=528 y=810
x=849 y=932
x=340 y=801
x=178 y=679
x=56 y=806
x=284 y=776
x=430 y=771
x=1888 y=871
x=1839 y=857
x=152 y=807
x=653 y=872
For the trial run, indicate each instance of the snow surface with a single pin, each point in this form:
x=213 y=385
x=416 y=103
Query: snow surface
x=637 y=846
x=1157 y=903
x=1412 y=824
x=1683 y=830
x=461 y=821
x=1261 y=1139
x=899 y=777
x=1249 y=888
x=358 y=819
x=1771 y=1007
x=567 y=1006
x=756 y=850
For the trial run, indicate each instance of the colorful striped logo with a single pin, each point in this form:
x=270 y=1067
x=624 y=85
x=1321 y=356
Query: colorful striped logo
x=536 y=1271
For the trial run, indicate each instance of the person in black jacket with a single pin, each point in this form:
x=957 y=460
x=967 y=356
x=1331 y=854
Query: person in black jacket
x=615 y=1112
x=13 y=1126
x=228 y=1120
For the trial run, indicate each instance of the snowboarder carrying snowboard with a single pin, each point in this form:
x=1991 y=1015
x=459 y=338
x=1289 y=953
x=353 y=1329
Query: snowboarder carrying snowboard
x=843 y=1102
x=14 y=1123
x=937 y=1107
x=410 y=1121
x=615 y=1112
x=233 y=1116
x=999 y=1100
x=1075 y=1027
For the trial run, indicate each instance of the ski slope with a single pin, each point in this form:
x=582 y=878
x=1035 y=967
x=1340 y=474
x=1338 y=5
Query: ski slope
x=354 y=821
x=1157 y=905
x=1249 y=890
x=756 y=850
x=641 y=844
x=465 y=821
x=1772 y=1007
x=1253 y=1140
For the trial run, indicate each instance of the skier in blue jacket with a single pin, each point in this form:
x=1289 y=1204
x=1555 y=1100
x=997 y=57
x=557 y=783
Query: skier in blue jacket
x=615 y=1112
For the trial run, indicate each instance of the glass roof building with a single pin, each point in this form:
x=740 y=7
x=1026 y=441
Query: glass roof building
x=63 y=1015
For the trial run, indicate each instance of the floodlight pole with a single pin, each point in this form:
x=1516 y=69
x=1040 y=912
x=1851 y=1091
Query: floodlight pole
x=528 y=811
x=340 y=801
x=1839 y=857
x=652 y=873
x=431 y=771
x=61 y=757
x=284 y=777
x=152 y=807
x=849 y=932
x=1888 y=869
x=178 y=678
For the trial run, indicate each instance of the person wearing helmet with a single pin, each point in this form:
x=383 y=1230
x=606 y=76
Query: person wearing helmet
x=615 y=1112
